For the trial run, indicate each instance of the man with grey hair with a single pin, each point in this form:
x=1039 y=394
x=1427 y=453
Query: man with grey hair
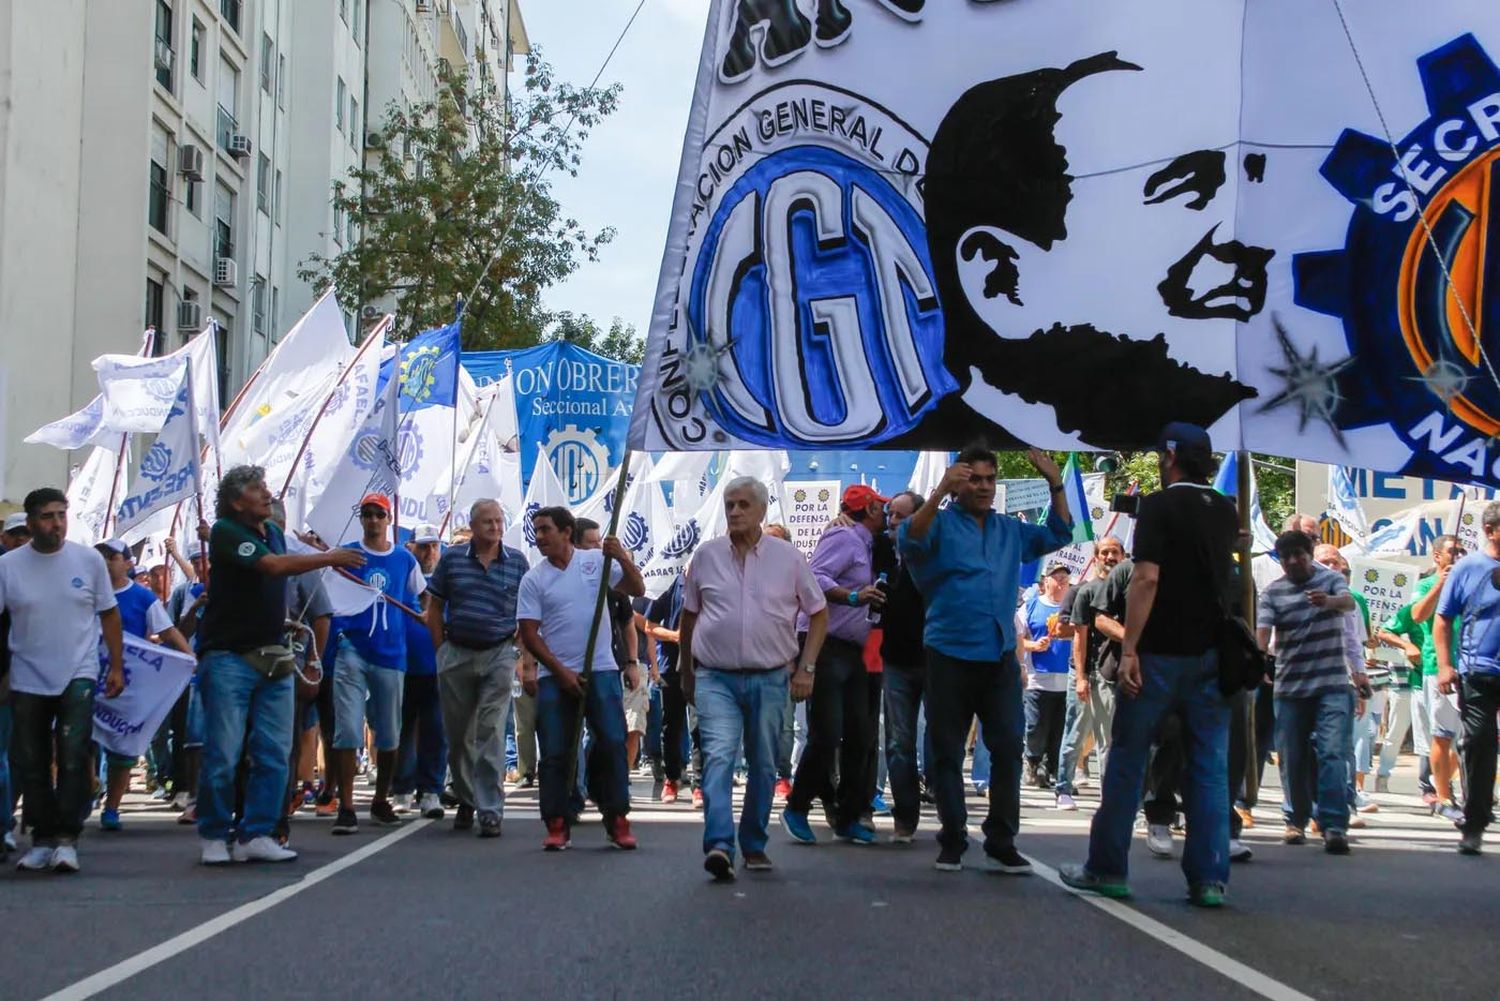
x=471 y=613
x=247 y=693
x=738 y=650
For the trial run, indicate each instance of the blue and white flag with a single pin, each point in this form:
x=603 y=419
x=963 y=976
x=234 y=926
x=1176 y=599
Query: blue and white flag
x=171 y=469
x=154 y=679
x=430 y=391
x=138 y=393
x=1262 y=539
x=1343 y=503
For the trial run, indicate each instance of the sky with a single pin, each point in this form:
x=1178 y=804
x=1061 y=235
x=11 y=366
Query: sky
x=630 y=159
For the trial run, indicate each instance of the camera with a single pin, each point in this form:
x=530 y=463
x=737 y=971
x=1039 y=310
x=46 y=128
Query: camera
x=1126 y=504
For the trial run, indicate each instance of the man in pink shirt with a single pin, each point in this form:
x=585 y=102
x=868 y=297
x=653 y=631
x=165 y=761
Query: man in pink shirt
x=738 y=652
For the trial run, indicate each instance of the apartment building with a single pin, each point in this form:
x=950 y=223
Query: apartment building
x=167 y=162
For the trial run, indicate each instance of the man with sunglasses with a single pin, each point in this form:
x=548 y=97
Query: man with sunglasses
x=369 y=668
x=1473 y=591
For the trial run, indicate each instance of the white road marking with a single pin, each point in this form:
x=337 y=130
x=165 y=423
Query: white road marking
x=1226 y=966
x=142 y=961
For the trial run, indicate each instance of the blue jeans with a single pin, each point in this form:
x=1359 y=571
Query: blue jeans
x=556 y=714
x=1189 y=686
x=903 y=705
x=244 y=713
x=421 y=759
x=7 y=796
x=1315 y=734
x=958 y=691
x=732 y=705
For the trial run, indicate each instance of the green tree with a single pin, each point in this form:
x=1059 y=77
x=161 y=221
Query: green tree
x=620 y=341
x=459 y=185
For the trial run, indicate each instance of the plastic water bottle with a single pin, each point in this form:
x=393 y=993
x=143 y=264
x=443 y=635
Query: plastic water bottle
x=873 y=616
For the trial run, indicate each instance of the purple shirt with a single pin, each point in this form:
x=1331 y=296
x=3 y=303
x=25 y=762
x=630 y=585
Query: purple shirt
x=842 y=559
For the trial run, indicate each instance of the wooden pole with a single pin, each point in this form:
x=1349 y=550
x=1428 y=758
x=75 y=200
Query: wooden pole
x=1244 y=487
x=481 y=429
x=588 y=652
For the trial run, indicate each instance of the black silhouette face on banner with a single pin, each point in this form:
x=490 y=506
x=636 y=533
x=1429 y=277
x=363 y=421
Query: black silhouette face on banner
x=996 y=165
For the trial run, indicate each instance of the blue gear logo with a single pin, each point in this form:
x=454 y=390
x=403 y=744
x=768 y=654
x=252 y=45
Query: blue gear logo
x=814 y=300
x=157 y=462
x=1419 y=274
x=636 y=536
x=579 y=458
x=683 y=541
x=528 y=526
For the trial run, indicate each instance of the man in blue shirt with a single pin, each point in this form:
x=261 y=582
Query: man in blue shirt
x=965 y=559
x=1473 y=592
x=369 y=669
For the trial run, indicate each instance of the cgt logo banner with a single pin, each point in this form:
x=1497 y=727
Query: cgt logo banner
x=572 y=402
x=908 y=224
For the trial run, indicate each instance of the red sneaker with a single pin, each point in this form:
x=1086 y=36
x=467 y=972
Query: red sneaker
x=557 y=836
x=697 y=799
x=618 y=831
x=783 y=790
x=669 y=792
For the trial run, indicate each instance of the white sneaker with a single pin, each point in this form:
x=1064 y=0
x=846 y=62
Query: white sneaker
x=1159 y=840
x=65 y=859
x=36 y=859
x=1239 y=851
x=214 y=852
x=262 y=849
x=181 y=800
x=430 y=806
x=401 y=802
x=1066 y=802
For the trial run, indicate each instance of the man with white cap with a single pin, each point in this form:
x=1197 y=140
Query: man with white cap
x=422 y=755
x=14 y=534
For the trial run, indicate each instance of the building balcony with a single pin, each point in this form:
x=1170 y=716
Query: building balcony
x=454 y=41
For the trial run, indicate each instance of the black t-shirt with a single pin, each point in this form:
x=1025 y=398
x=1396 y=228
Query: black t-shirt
x=902 y=622
x=1188 y=531
x=621 y=618
x=1087 y=597
x=246 y=609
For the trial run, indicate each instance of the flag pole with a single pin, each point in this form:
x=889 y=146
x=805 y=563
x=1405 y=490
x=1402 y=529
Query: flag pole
x=588 y=651
x=1244 y=486
x=380 y=328
x=481 y=428
x=147 y=347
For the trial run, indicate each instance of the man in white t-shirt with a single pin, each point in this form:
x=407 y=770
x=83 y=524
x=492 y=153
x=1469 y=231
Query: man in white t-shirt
x=59 y=598
x=555 y=612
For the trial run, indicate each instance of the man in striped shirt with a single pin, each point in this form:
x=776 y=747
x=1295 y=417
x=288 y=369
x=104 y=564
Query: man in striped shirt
x=1314 y=702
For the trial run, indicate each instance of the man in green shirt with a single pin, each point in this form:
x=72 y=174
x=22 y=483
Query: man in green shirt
x=1434 y=716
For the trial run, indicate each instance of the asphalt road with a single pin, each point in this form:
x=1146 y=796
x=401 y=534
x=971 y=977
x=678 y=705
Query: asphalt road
x=430 y=912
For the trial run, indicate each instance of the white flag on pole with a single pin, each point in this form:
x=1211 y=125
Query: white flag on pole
x=1343 y=502
x=170 y=471
x=88 y=493
x=139 y=392
x=544 y=490
x=370 y=464
x=155 y=677
x=928 y=473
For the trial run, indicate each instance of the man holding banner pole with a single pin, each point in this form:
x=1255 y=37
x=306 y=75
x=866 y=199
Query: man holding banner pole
x=966 y=558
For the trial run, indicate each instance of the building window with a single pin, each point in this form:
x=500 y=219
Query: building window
x=160 y=197
x=338 y=225
x=338 y=103
x=189 y=297
x=164 y=55
x=275 y=309
x=350 y=231
x=353 y=122
x=190 y=198
x=267 y=63
x=195 y=51
x=277 y=204
x=230 y=9
x=359 y=22
x=281 y=82
x=263 y=184
x=229 y=89
x=258 y=304
x=154 y=300
x=223 y=222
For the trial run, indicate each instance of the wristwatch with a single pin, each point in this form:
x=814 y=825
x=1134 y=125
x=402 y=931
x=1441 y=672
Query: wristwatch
x=853 y=597
x=807 y=668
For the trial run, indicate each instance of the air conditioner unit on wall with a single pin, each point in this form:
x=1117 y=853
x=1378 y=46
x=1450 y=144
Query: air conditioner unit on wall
x=225 y=274
x=190 y=161
x=190 y=314
x=239 y=146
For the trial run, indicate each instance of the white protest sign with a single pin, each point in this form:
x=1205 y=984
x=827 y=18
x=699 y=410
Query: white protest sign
x=1386 y=586
x=1022 y=495
x=808 y=506
x=154 y=677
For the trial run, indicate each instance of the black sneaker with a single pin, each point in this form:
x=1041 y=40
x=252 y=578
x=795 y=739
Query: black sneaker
x=1335 y=843
x=383 y=813
x=527 y=781
x=489 y=825
x=1008 y=861
x=463 y=820
x=949 y=860
x=345 y=823
x=719 y=865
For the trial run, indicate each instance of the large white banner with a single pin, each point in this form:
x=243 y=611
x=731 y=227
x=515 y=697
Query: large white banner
x=1386 y=586
x=1066 y=223
x=154 y=677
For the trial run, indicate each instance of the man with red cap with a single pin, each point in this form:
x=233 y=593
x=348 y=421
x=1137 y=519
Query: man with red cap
x=369 y=665
x=838 y=719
